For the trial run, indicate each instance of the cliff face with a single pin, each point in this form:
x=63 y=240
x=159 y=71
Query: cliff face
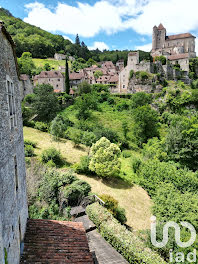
x=150 y=85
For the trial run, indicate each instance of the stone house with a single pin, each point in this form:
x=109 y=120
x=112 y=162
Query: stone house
x=75 y=78
x=177 y=48
x=54 y=78
x=58 y=56
x=120 y=64
x=13 y=200
x=25 y=85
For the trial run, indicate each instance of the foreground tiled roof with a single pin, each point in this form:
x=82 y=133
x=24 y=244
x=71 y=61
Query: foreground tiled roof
x=180 y=36
x=55 y=242
x=76 y=76
x=178 y=56
x=50 y=74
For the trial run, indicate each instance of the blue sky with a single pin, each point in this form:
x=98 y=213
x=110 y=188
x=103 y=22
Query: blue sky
x=110 y=24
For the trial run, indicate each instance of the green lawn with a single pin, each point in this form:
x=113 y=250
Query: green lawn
x=133 y=199
x=53 y=63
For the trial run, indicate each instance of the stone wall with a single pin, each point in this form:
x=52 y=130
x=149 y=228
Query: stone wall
x=13 y=200
x=26 y=87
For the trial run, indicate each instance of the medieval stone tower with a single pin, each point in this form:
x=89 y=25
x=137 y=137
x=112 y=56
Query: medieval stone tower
x=159 y=36
x=13 y=200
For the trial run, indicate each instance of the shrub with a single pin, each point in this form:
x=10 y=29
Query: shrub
x=30 y=143
x=59 y=125
x=161 y=58
x=126 y=154
x=131 y=74
x=124 y=241
x=88 y=138
x=41 y=126
x=29 y=151
x=83 y=166
x=74 y=193
x=52 y=154
x=107 y=133
x=122 y=106
x=74 y=134
x=104 y=158
x=140 y=99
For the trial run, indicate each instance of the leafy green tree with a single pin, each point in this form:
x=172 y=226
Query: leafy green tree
x=85 y=104
x=140 y=99
x=97 y=74
x=182 y=141
x=84 y=88
x=67 y=84
x=26 y=64
x=47 y=67
x=59 y=125
x=45 y=103
x=104 y=158
x=145 y=123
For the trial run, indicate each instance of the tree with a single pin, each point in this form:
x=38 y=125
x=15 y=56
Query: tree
x=26 y=64
x=140 y=99
x=104 y=158
x=97 y=74
x=85 y=104
x=67 y=84
x=59 y=125
x=77 y=40
x=145 y=123
x=47 y=67
x=45 y=103
x=84 y=88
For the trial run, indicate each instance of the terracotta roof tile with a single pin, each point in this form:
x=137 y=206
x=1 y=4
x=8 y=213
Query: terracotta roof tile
x=160 y=27
x=50 y=74
x=180 y=36
x=76 y=76
x=55 y=242
x=178 y=56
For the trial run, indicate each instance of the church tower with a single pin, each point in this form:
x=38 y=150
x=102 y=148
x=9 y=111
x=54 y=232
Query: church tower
x=161 y=37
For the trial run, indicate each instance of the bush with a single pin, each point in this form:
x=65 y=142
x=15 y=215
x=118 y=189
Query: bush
x=41 y=126
x=88 y=138
x=73 y=194
x=140 y=99
x=107 y=133
x=52 y=154
x=122 y=106
x=131 y=74
x=30 y=143
x=29 y=151
x=112 y=205
x=130 y=246
x=59 y=125
x=126 y=154
x=83 y=166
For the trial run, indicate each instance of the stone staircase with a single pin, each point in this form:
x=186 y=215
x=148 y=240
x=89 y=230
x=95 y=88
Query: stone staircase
x=102 y=251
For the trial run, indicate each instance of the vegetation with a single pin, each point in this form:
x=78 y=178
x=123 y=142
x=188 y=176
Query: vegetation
x=125 y=242
x=104 y=158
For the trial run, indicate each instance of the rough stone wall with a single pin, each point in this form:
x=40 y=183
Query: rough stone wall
x=148 y=86
x=26 y=87
x=57 y=83
x=13 y=200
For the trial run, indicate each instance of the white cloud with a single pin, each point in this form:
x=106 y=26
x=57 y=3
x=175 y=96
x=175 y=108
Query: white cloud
x=146 y=47
x=111 y=16
x=99 y=45
x=66 y=37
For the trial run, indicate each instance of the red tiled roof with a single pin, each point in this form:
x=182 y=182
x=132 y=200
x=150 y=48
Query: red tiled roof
x=57 y=91
x=76 y=76
x=160 y=27
x=178 y=56
x=114 y=79
x=179 y=36
x=24 y=77
x=55 y=242
x=50 y=74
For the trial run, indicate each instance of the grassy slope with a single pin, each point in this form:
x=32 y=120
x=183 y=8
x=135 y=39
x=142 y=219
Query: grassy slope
x=134 y=199
x=53 y=63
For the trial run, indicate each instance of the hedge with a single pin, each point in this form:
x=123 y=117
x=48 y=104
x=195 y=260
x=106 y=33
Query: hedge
x=127 y=244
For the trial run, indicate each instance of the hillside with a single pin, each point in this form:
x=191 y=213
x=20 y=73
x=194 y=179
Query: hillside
x=43 y=44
